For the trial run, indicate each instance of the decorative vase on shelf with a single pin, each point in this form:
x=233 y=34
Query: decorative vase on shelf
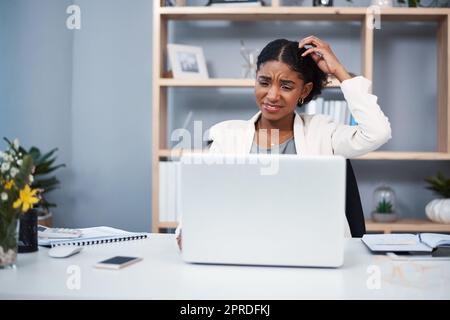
x=438 y=210
x=384 y=205
x=9 y=234
x=250 y=58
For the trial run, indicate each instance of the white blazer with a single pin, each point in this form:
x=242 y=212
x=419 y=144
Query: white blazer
x=317 y=134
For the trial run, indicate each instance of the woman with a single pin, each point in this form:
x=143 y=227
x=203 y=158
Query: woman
x=290 y=75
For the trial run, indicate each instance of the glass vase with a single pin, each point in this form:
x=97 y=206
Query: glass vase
x=322 y=3
x=250 y=57
x=383 y=3
x=249 y=67
x=9 y=235
x=384 y=204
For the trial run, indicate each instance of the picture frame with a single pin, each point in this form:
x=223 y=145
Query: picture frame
x=187 y=62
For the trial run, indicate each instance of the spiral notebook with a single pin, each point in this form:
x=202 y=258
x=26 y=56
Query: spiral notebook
x=95 y=235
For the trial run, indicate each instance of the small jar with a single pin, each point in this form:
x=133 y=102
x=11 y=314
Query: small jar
x=384 y=204
x=28 y=234
x=383 y=3
x=322 y=3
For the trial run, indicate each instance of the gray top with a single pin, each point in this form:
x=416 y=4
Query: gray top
x=287 y=147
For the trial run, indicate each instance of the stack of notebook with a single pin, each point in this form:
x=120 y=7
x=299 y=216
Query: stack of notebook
x=96 y=235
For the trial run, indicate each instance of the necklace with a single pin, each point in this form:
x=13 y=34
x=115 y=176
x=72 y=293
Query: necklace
x=281 y=138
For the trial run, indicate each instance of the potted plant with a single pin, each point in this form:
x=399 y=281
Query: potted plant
x=411 y=3
x=384 y=199
x=438 y=210
x=17 y=198
x=44 y=165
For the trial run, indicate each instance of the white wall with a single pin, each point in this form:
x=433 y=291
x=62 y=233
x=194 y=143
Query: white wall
x=36 y=82
x=87 y=92
x=111 y=115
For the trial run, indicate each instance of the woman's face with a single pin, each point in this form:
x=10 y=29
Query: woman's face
x=278 y=89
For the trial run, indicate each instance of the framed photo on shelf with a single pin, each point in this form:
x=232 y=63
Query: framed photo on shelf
x=188 y=62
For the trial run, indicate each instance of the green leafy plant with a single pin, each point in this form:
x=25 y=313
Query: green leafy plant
x=44 y=165
x=439 y=184
x=384 y=207
x=411 y=3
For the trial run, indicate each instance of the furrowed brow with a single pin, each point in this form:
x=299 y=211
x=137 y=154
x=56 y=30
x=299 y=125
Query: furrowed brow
x=287 y=82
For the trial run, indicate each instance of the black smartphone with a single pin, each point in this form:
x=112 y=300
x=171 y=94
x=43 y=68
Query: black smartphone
x=117 y=262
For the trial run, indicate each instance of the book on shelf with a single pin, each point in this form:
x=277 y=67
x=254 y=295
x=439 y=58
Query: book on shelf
x=94 y=235
x=337 y=109
x=163 y=198
x=326 y=107
x=436 y=244
x=235 y=3
x=168 y=190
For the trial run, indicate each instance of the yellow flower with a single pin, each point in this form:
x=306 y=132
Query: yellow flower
x=27 y=198
x=9 y=184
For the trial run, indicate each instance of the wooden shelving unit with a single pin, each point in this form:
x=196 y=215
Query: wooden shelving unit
x=403 y=225
x=276 y=12
x=407 y=225
x=377 y=155
x=219 y=83
x=162 y=15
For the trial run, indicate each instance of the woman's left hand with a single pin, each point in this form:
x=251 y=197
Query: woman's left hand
x=322 y=54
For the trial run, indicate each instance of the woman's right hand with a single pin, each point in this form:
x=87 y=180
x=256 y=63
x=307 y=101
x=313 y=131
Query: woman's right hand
x=323 y=55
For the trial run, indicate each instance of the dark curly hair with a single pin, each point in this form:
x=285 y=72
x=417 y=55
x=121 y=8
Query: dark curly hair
x=288 y=52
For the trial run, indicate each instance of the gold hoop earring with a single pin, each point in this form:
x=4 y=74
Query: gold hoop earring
x=301 y=101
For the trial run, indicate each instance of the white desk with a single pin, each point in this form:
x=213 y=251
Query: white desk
x=163 y=275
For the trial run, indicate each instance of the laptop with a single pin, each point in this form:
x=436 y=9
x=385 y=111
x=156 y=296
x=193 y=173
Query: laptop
x=274 y=210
